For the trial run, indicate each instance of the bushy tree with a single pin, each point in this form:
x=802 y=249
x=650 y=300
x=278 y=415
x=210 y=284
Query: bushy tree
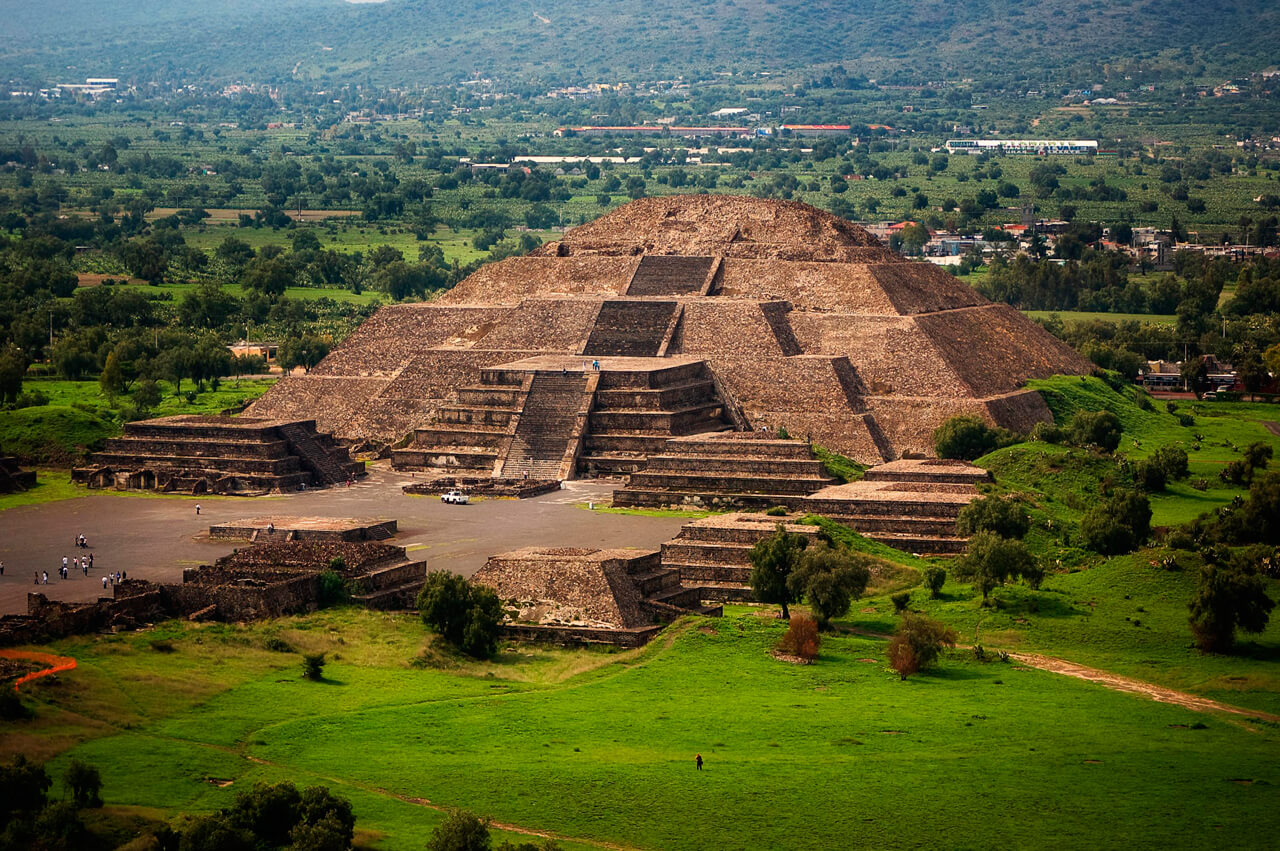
x=830 y=579
x=313 y=666
x=1150 y=475
x=1118 y=524
x=1006 y=517
x=1095 y=428
x=465 y=615
x=917 y=643
x=1173 y=461
x=84 y=783
x=773 y=559
x=460 y=831
x=934 y=579
x=801 y=638
x=1230 y=594
x=23 y=786
x=992 y=561
x=13 y=367
x=967 y=438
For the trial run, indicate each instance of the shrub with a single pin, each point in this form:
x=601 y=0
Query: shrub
x=1046 y=433
x=465 y=615
x=460 y=831
x=1173 y=461
x=1006 y=517
x=1118 y=524
x=276 y=644
x=992 y=560
x=917 y=643
x=801 y=638
x=934 y=579
x=11 y=706
x=1150 y=476
x=900 y=601
x=968 y=438
x=313 y=666
x=23 y=785
x=1228 y=596
x=776 y=511
x=830 y=579
x=1095 y=428
x=333 y=588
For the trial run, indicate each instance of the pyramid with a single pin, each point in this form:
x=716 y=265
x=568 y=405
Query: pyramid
x=703 y=312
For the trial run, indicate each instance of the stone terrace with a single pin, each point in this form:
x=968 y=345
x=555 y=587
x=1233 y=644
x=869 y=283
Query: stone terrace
x=283 y=528
x=715 y=552
x=219 y=454
x=571 y=595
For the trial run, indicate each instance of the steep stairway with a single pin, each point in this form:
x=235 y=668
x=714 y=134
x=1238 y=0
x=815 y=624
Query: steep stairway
x=546 y=426
x=630 y=329
x=323 y=465
x=667 y=275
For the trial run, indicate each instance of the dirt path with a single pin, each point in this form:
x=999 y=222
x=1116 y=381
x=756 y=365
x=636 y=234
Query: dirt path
x=1274 y=428
x=1129 y=685
x=1160 y=694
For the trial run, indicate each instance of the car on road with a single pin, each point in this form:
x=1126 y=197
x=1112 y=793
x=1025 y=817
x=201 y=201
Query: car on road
x=455 y=498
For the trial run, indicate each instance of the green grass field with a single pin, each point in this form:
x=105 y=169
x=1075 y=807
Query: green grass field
x=599 y=746
x=1075 y=317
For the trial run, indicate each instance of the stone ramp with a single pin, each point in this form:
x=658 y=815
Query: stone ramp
x=666 y=275
x=547 y=425
x=630 y=329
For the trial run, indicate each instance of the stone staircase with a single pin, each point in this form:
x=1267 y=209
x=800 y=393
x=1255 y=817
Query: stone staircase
x=630 y=329
x=637 y=411
x=321 y=460
x=714 y=553
x=735 y=469
x=662 y=588
x=473 y=433
x=669 y=275
x=546 y=426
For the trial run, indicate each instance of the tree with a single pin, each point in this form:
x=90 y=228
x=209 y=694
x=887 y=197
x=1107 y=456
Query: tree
x=1095 y=428
x=460 y=831
x=830 y=579
x=23 y=786
x=1118 y=524
x=967 y=438
x=1173 y=461
x=146 y=395
x=269 y=275
x=13 y=367
x=772 y=561
x=465 y=615
x=1228 y=596
x=934 y=579
x=1195 y=374
x=84 y=783
x=1006 y=517
x=917 y=643
x=992 y=560
x=305 y=351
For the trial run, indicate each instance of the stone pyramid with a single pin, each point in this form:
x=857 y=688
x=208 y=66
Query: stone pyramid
x=799 y=319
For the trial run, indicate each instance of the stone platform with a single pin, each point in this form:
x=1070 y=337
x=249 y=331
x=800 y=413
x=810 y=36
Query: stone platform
x=219 y=454
x=284 y=528
x=575 y=596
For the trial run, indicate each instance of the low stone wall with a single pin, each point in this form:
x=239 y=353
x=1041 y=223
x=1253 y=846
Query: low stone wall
x=475 y=486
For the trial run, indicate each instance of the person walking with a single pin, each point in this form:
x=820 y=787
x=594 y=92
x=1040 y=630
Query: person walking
x=1 y=568
x=104 y=583
x=64 y=562
x=698 y=760
x=197 y=509
x=44 y=577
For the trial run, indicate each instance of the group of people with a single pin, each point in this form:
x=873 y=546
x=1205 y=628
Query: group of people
x=82 y=563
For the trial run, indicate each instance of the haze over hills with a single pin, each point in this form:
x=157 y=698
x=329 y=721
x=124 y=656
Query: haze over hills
x=410 y=42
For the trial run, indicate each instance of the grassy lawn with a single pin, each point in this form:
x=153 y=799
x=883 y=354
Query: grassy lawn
x=599 y=745
x=51 y=486
x=1075 y=317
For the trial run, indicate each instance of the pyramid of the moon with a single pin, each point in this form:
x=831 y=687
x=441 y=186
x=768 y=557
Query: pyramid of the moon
x=703 y=313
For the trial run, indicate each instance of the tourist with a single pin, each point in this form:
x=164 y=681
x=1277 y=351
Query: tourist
x=64 y=562
x=1 y=568
x=44 y=577
x=595 y=364
x=698 y=760
x=104 y=583
x=197 y=509
x=37 y=575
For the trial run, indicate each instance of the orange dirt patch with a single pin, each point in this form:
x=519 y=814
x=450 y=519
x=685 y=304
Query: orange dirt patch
x=56 y=664
x=93 y=279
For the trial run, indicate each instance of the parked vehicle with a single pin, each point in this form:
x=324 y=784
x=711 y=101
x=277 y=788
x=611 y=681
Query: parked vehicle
x=455 y=498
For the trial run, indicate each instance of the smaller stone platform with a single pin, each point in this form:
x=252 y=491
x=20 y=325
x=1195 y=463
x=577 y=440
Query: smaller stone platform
x=282 y=528
x=219 y=454
x=583 y=596
x=476 y=486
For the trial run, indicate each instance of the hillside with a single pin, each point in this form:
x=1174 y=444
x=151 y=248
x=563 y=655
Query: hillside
x=550 y=41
